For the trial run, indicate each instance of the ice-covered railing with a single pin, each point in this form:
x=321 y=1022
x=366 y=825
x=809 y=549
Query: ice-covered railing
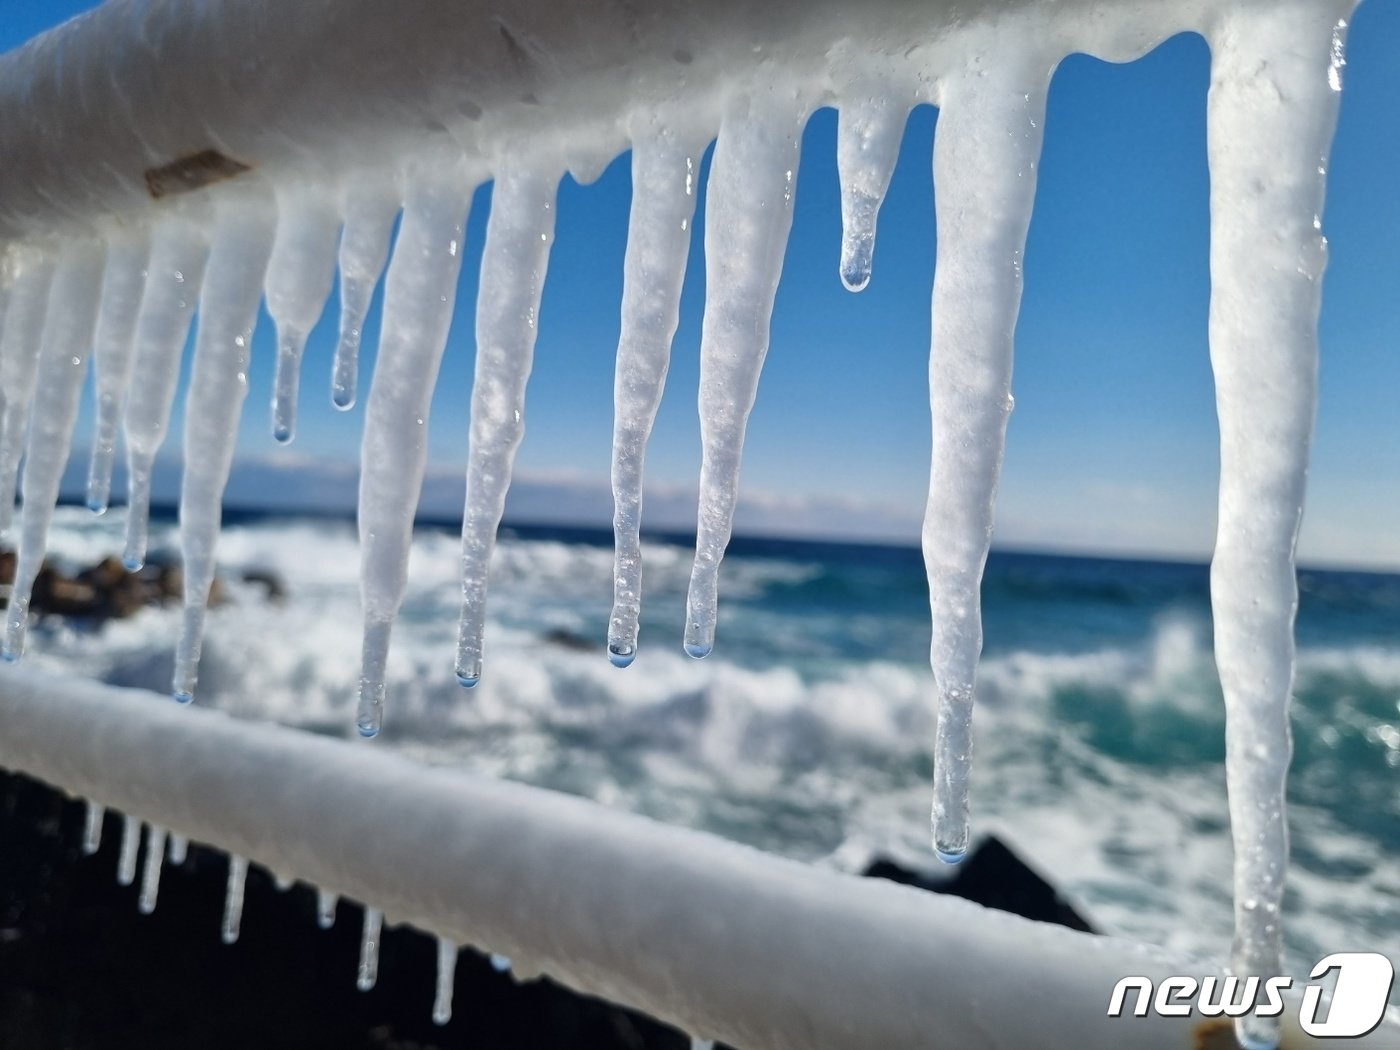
x=162 y=156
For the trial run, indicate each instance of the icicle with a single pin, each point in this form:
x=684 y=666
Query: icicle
x=179 y=848
x=126 y=856
x=696 y=1043
x=1275 y=78
x=867 y=145
x=92 y=827
x=68 y=326
x=122 y=287
x=369 y=950
x=179 y=250
x=233 y=898
x=150 y=876
x=658 y=243
x=513 y=263
x=299 y=276
x=446 y=977
x=325 y=908
x=500 y=963
x=986 y=150
x=364 y=245
x=19 y=364
x=283 y=882
x=228 y=309
x=420 y=292
x=748 y=215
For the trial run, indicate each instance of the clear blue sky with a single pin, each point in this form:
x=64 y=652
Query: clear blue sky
x=1112 y=445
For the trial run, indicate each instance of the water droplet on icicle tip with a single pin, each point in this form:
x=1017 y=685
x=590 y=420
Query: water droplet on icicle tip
x=326 y=902
x=25 y=311
x=867 y=145
x=446 y=978
x=179 y=849
x=420 y=292
x=233 y=898
x=368 y=972
x=519 y=233
x=150 y=875
x=658 y=244
x=370 y=208
x=228 y=310
x=92 y=827
x=746 y=233
x=987 y=140
x=126 y=856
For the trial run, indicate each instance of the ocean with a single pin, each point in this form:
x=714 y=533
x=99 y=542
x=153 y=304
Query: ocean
x=1099 y=730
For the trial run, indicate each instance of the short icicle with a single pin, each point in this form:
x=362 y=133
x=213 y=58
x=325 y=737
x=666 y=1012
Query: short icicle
x=518 y=238
x=150 y=874
x=753 y=178
x=868 y=135
x=446 y=978
x=130 y=847
x=92 y=827
x=25 y=311
x=179 y=849
x=500 y=963
x=228 y=309
x=1275 y=82
x=985 y=155
x=664 y=169
x=174 y=274
x=122 y=287
x=420 y=293
x=299 y=274
x=326 y=902
x=370 y=208
x=368 y=972
x=63 y=358
x=233 y=898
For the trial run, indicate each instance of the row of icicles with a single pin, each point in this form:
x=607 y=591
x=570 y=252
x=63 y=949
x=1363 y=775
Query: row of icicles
x=163 y=846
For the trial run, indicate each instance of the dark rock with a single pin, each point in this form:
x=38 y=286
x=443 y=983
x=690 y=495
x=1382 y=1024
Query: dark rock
x=567 y=639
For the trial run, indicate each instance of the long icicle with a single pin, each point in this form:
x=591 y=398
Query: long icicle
x=513 y=263
x=748 y=215
x=1275 y=83
x=370 y=208
x=867 y=145
x=233 y=898
x=664 y=169
x=130 y=847
x=19 y=365
x=150 y=874
x=446 y=978
x=228 y=309
x=368 y=972
x=986 y=151
x=175 y=273
x=68 y=328
x=420 y=293
x=92 y=827
x=299 y=275
x=122 y=287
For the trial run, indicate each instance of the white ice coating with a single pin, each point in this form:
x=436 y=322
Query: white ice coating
x=1275 y=81
x=150 y=873
x=130 y=847
x=63 y=358
x=127 y=255
x=174 y=275
x=985 y=152
x=93 y=815
x=233 y=898
x=179 y=848
x=519 y=234
x=370 y=209
x=326 y=902
x=368 y=972
x=299 y=274
x=665 y=167
x=753 y=176
x=869 y=130
x=19 y=363
x=228 y=309
x=446 y=977
x=420 y=292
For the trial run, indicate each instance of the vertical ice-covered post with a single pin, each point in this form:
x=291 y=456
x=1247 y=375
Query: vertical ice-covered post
x=228 y=309
x=420 y=293
x=985 y=154
x=753 y=177
x=1275 y=79
x=665 y=163
x=513 y=264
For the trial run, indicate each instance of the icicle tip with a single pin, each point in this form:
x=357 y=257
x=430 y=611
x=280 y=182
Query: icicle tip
x=621 y=655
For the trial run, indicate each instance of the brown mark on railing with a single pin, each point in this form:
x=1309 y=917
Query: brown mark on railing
x=192 y=173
